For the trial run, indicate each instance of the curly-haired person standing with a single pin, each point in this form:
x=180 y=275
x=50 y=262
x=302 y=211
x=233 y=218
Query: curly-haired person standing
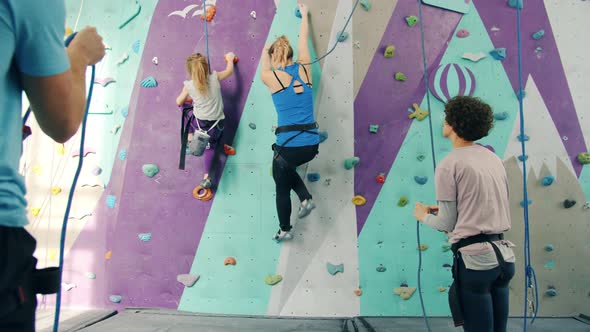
x=472 y=195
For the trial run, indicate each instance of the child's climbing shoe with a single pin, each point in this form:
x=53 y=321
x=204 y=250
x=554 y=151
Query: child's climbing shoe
x=282 y=236
x=305 y=208
x=206 y=183
x=229 y=150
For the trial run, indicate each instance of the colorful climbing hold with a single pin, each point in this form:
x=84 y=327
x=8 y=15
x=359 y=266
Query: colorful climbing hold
x=523 y=157
x=411 y=20
x=401 y=77
x=447 y=265
x=366 y=5
x=90 y=275
x=421 y=157
x=37 y=169
x=359 y=200
x=381 y=268
x=110 y=201
x=323 y=136
x=297 y=12
x=96 y=171
x=520 y=95
x=229 y=150
x=373 y=128
x=150 y=170
x=539 y=34
x=380 y=178
x=587 y=206
x=35 y=211
x=187 y=279
x=442 y=289
x=514 y=3
x=522 y=138
x=529 y=203
x=333 y=269
x=252 y=126
x=229 y=261
x=149 y=82
x=403 y=201
x=67 y=287
x=568 y=203
x=421 y=180
x=145 y=237
x=115 y=298
x=389 y=52
x=548 y=180
x=405 y=292
x=313 y=177
x=417 y=113
x=422 y=247
x=549 y=248
x=155 y=60
x=125 y=111
x=550 y=265
x=501 y=116
x=474 y=57
x=108 y=255
x=358 y=292
x=463 y=33
x=272 y=280
x=122 y=154
x=60 y=149
x=351 y=162
x=211 y=10
x=124 y=57
x=446 y=247
x=104 y=81
x=498 y=53
x=551 y=291
x=584 y=158
x=253 y=14
x=342 y=36
x=56 y=190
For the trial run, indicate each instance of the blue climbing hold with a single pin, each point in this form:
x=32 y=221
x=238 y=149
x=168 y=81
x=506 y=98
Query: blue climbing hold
x=498 y=53
x=514 y=3
x=135 y=46
x=421 y=180
x=523 y=157
x=447 y=265
x=122 y=154
x=149 y=82
x=115 y=298
x=520 y=95
x=342 y=36
x=125 y=111
x=551 y=292
x=110 y=201
x=550 y=265
x=381 y=268
x=548 y=180
x=150 y=170
x=297 y=12
x=313 y=177
x=323 y=136
x=539 y=34
x=252 y=126
x=522 y=203
x=501 y=116
x=522 y=138
x=145 y=237
x=549 y=248
x=333 y=269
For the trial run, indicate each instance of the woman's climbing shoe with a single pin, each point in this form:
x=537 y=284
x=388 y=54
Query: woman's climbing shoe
x=206 y=183
x=282 y=236
x=305 y=208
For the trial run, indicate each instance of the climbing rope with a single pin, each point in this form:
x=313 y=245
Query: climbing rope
x=62 y=241
x=206 y=33
x=530 y=280
x=425 y=68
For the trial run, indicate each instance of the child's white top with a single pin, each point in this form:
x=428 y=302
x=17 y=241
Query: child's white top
x=210 y=106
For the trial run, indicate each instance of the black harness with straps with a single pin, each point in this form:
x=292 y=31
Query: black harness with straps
x=301 y=128
x=185 y=123
x=454 y=296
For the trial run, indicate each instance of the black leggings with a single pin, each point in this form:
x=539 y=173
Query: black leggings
x=484 y=298
x=286 y=178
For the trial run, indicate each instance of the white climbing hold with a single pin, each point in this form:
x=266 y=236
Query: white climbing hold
x=253 y=14
x=475 y=57
x=495 y=29
x=67 y=287
x=357 y=44
x=115 y=129
x=90 y=275
x=123 y=58
x=188 y=279
x=155 y=60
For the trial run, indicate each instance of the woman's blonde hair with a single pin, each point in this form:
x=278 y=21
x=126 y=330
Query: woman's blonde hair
x=281 y=51
x=198 y=69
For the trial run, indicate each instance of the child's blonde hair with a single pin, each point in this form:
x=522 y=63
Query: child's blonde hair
x=281 y=51
x=198 y=69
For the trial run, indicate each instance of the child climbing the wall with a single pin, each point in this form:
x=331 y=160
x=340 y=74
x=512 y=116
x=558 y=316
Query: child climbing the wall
x=297 y=136
x=205 y=91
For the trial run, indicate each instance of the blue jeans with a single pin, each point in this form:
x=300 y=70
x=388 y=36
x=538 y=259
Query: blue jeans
x=484 y=298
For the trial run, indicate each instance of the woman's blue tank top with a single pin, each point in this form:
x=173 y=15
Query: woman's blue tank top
x=295 y=108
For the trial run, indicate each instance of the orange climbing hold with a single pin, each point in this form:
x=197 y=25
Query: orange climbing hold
x=210 y=13
x=229 y=261
x=358 y=200
x=108 y=255
x=229 y=150
x=358 y=292
x=202 y=194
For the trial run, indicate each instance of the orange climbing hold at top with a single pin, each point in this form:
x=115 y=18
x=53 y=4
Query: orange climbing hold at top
x=229 y=261
x=210 y=13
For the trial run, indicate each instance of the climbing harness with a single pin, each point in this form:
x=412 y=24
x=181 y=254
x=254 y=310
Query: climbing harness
x=301 y=128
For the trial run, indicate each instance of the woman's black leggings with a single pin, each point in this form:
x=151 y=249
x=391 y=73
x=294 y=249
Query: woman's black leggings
x=286 y=178
x=484 y=298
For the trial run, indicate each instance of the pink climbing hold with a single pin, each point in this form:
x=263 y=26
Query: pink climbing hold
x=462 y=33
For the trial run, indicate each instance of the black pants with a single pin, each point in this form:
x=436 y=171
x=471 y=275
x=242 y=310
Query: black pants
x=484 y=298
x=17 y=301
x=286 y=178
x=212 y=162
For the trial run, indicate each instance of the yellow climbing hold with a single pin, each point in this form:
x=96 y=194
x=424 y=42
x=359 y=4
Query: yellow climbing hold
x=69 y=31
x=108 y=255
x=60 y=149
x=358 y=200
x=52 y=254
x=423 y=247
x=405 y=292
x=442 y=289
x=55 y=190
x=418 y=113
x=37 y=169
x=35 y=211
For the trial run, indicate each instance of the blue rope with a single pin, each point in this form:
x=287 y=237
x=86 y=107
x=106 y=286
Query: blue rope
x=425 y=68
x=339 y=35
x=530 y=277
x=206 y=33
x=64 y=228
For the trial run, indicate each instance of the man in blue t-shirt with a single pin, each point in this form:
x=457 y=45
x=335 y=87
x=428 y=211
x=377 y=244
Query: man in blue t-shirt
x=33 y=59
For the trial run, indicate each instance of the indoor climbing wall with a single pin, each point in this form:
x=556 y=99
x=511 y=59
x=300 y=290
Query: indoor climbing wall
x=139 y=238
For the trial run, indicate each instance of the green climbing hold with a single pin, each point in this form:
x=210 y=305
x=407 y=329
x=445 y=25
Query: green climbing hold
x=421 y=157
x=403 y=201
x=411 y=20
x=366 y=5
x=374 y=128
x=350 y=163
x=550 y=265
x=272 y=280
x=389 y=51
x=399 y=76
x=381 y=268
x=584 y=158
x=150 y=170
x=446 y=247
x=423 y=247
x=342 y=36
x=333 y=269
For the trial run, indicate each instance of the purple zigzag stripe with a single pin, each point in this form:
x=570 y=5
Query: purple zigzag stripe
x=547 y=69
x=382 y=100
x=473 y=82
x=461 y=72
x=444 y=82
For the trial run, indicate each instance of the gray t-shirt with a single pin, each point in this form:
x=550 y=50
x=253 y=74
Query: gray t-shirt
x=210 y=106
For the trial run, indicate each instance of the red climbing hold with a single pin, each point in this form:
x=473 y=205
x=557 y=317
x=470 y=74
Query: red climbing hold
x=26 y=132
x=381 y=178
x=229 y=150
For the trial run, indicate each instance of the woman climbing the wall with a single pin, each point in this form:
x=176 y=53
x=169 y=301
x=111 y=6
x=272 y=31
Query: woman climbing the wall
x=297 y=134
x=472 y=193
x=205 y=91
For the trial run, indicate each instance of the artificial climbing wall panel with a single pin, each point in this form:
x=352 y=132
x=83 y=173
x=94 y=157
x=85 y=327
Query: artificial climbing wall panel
x=145 y=232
